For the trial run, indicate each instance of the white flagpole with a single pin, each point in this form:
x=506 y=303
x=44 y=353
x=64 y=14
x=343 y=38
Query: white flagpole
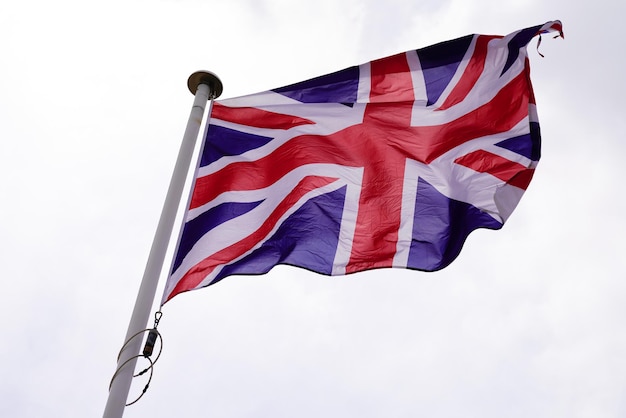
x=205 y=86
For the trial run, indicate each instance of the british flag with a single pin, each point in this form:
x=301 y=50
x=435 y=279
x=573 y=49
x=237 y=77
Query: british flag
x=392 y=163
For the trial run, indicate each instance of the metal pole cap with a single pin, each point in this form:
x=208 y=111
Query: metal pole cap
x=208 y=78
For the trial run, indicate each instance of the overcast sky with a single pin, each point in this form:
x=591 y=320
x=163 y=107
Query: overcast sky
x=527 y=322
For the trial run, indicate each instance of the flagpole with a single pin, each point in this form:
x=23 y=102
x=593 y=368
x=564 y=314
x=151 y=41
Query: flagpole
x=205 y=86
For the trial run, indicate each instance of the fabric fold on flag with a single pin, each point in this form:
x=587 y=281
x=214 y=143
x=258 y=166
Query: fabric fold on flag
x=392 y=163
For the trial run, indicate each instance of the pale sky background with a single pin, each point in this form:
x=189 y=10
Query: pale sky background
x=529 y=321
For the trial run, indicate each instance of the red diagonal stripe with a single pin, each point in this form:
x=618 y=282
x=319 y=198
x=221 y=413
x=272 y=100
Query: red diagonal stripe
x=258 y=118
x=506 y=170
x=196 y=274
x=502 y=113
x=471 y=74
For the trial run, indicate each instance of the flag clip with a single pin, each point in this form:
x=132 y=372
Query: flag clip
x=153 y=334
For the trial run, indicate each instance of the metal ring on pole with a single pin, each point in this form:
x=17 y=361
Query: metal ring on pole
x=208 y=78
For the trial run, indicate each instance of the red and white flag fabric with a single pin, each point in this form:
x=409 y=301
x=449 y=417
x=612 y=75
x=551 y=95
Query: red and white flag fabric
x=392 y=163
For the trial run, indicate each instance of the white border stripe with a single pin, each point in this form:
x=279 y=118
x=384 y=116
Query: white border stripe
x=348 y=225
x=407 y=214
x=417 y=77
x=365 y=83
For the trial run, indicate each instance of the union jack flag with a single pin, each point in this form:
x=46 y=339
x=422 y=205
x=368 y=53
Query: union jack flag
x=392 y=163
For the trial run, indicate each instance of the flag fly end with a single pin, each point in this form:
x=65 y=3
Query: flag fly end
x=208 y=78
